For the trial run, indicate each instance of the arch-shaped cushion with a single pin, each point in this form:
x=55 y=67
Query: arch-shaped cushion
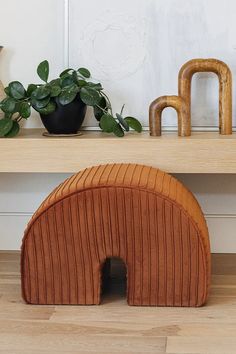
x=137 y=213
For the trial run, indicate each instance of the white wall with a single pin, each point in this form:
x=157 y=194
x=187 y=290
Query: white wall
x=138 y=46
x=21 y=195
x=31 y=31
x=135 y=48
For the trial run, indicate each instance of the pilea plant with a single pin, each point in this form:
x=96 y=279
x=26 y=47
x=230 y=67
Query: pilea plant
x=44 y=97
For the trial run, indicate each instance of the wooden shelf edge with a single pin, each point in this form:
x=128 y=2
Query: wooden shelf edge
x=203 y=152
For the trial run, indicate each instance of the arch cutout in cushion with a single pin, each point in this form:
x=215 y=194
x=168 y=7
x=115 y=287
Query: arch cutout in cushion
x=137 y=213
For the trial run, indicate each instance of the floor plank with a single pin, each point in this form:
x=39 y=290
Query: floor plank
x=114 y=327
x=86 y=344
x=201 y=345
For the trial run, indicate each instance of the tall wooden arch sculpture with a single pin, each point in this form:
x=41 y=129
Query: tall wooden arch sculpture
x=138 y=213
x=182 y=102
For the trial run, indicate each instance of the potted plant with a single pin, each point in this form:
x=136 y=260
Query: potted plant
x=2 y=93
x=62 y=104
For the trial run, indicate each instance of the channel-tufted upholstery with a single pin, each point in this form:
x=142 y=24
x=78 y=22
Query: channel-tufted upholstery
x=138 y=213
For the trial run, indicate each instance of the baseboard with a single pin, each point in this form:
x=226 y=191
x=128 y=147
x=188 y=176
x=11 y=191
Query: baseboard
x=222 y=263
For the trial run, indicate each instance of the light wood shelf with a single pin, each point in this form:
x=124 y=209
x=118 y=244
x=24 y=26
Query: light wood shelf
x=203 y=152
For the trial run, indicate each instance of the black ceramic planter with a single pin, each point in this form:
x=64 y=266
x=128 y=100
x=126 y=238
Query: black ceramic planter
x=66 y=119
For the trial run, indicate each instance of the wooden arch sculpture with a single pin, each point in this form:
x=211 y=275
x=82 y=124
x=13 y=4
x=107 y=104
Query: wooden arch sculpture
x=182 y=102
x=138 y=213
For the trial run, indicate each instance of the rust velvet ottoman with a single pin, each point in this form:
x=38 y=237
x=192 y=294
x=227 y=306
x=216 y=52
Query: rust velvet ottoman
x=137 y=213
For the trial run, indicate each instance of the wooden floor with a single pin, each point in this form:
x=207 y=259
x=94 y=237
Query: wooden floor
x=114 y=327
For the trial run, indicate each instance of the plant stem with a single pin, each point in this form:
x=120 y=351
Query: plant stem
x=18 y=119
x=102 y=109
x=108 y=100
x=122 y=109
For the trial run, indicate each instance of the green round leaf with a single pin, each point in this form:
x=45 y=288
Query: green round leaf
x=54 y=87
x=55 y=82
x=89 y=96
x=43 y=70
x=30 y=89
x=5 y=126
x=134 y=124
x=50 y=108
x=68 y=94
x=8 y=105
x=84 y=72
x=97 y=87
x=82 y=83
x=67 y=81
x=64 y=72
x=41 y=92
x=98 y=112
x=7 y=91
x=14 y=130
x=122 y=122
x=118 y=131
x=55 y=91
x=24 y=110
x=8 y=115
x=16 y=90
x=39 y=104
x=107 y=123
x=75 y=77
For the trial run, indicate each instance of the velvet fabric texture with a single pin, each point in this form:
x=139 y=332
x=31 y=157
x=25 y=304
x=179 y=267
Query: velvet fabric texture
x=138 y=213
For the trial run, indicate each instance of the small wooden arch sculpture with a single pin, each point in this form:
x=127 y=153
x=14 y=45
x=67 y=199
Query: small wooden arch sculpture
x=155 y=112
x=182 y=102
x=137 y=213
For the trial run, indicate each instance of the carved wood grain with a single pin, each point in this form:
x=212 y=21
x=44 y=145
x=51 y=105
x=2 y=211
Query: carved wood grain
x=155 y=114
x=225 y=88
x=182 y=102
